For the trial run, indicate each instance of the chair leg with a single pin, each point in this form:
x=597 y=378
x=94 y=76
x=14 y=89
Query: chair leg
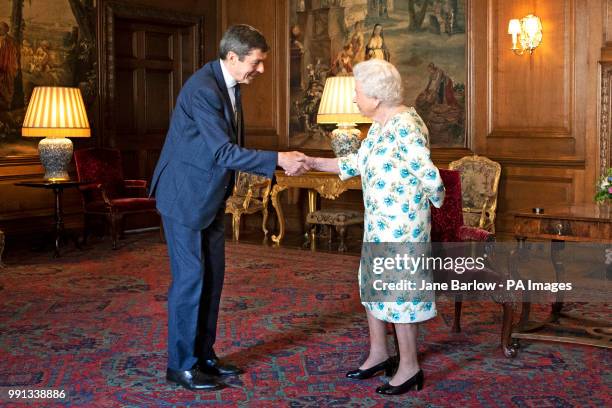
x=265 y=221
x=310 y=235
x=457 y=321
x=508 y=346
x=236 y=226
x=114 y=220
x=309 y=240
x=342 y=232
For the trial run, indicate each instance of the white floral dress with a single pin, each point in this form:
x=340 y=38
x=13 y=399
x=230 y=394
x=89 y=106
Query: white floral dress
x=398 y=181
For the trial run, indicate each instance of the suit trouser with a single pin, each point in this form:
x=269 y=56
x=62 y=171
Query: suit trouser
x=197 y=262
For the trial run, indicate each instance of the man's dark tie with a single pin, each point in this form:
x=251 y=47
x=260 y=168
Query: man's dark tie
x=238 y=116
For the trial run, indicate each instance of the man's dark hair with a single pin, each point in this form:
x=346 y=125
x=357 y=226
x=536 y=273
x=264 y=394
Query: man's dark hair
x=242 y=39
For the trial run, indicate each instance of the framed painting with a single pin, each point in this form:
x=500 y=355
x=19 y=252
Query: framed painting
x=49 y=42
x=425 y=39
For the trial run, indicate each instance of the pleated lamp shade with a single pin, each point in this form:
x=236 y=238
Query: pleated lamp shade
x=337 y=104
x=55 y=113
x=337 y=107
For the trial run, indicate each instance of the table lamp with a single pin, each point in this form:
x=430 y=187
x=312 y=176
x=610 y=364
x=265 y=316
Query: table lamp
x=55 y=113
x=337 y=107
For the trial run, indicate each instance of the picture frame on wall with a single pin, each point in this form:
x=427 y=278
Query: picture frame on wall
x=425 y=39
x=42 y=43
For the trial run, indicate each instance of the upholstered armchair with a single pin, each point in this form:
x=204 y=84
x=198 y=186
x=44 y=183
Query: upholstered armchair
x=251 y=195
x=106 y=193
x=480 y=181
x=447 y=227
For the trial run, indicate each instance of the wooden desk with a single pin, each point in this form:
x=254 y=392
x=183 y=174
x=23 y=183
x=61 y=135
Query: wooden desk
x=328 y=185
x=576 y=223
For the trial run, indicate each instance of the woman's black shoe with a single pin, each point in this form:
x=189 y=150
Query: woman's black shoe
x=388 y=366
x=416 y=381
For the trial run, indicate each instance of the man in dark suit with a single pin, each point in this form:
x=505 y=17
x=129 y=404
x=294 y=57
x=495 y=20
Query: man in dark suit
x=193 y=178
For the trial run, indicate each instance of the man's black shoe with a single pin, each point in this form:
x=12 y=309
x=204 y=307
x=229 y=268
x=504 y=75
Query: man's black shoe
x=193 y=380
x=214 y=366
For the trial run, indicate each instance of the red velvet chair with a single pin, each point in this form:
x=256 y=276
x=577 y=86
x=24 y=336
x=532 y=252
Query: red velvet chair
x=106 y=193
x=447 y=226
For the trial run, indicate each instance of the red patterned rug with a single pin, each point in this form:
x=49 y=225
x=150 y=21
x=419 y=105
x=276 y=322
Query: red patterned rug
x=93 y=324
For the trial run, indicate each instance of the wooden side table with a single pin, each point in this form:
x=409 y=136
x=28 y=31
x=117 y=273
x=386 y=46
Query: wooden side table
x=576 y=223
x=58 y=190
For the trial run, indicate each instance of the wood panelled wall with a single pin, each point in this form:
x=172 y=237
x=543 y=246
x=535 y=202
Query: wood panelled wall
x=265 y=100
x=544 y=117
x=535 y=114
x=26 y=211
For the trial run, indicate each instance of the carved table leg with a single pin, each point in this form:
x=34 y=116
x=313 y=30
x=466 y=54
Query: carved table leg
x=510 y=345
x=279 y=213
x=59 y=220
x=513 y=260
x=556 y=249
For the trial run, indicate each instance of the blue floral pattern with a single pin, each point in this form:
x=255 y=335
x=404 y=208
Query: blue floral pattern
x=400 y=180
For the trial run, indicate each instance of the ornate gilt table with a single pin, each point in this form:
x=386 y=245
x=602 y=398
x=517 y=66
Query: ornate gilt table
x=328 y=185
x=576 y=223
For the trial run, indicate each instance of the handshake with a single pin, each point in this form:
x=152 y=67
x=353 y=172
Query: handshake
x=296 y=163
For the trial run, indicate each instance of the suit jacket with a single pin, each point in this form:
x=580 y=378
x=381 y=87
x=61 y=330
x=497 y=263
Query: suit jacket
x=194 y=173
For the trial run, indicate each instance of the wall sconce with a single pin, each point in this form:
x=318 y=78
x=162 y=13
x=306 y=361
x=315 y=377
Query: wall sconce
x=526 y=34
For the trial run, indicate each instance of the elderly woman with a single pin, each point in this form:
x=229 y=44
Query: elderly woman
x=399 y=180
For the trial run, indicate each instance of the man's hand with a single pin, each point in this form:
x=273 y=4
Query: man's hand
x=294 y=163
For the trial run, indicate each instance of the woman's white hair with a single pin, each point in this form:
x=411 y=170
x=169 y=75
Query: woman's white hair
x=381 y=80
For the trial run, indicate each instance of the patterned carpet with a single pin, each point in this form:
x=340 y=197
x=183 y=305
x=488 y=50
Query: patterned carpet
x=93 y=323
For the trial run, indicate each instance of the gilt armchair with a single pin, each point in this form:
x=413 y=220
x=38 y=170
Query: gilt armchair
x=251 y=195
x=480 y=181
x=106 y=194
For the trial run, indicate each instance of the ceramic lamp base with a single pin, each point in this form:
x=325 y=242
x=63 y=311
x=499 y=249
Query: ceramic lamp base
x=345 y=140
x=55 y=155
